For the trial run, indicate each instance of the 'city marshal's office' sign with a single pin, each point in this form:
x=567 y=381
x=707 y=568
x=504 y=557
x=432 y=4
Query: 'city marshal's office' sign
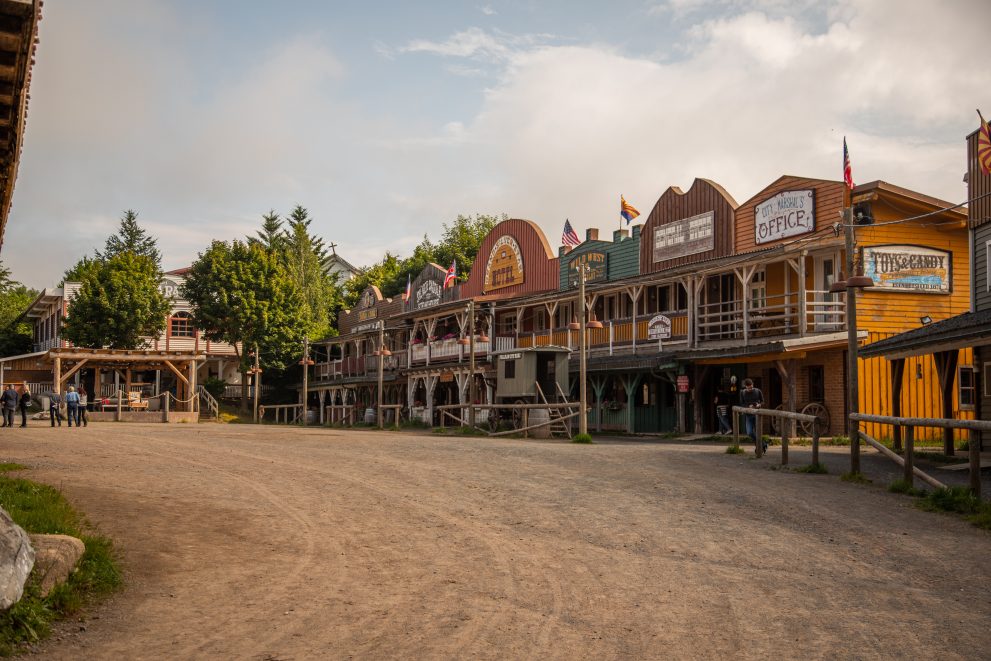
x=908 y=268
x=791 y=213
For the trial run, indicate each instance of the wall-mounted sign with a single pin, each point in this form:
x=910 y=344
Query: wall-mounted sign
x=360 y=328
x=659 y=328
x=908 y=268
x=682 y=382
x=365 y=315
x=169 y=288
x=681 y=238
x=786 y=214
x=510 y=356
x=427 y=294
x=598 y=266
x=367 y=300
x=505 y=265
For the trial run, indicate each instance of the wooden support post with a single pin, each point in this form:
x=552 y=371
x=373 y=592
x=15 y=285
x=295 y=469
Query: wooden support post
x=897 y=378
x=165 y=407
x=815 y=445
x=803 y=312
x=57 y=373
x=785 y=424
x=526 y=422
x=97 y=386
x=946 y=366
x=758 y=432
x=194 y=402
x=736 y=427
x=120 y=402
x=910 y=455
x=974 y=452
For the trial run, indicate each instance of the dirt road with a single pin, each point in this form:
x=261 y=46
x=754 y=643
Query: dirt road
x=270 y=543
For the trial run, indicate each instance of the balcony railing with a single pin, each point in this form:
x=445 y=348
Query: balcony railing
x=615 y=335
x=773 y=316
x=361 y=366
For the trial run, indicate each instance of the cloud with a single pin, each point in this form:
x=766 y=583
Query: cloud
x=476 y=43
x=487 y=10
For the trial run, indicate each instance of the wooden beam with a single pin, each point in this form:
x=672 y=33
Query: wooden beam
x=176 y=372
x=65 y=377
x=897 y=378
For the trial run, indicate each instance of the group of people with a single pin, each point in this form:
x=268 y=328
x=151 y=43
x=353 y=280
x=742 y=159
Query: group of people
x=750 y=397
x=75 y=406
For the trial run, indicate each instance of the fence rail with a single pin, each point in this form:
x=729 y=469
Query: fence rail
x=783 y=415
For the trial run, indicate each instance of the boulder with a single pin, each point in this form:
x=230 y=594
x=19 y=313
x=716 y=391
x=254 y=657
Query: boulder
x=16 y=560
x=56 y=557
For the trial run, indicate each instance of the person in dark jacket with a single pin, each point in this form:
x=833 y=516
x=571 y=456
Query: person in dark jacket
x=722 y=403
x=9 y=401
x=54 y=404
x=752 y=398
x=24 y=403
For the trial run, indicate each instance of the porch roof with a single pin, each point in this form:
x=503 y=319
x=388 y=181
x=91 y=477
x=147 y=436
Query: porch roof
x=970 y=329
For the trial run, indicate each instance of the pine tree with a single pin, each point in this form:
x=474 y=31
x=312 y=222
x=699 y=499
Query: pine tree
x=130 y=237
x=271 y=235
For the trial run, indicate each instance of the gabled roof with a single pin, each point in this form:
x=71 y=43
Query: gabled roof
x=964 y=330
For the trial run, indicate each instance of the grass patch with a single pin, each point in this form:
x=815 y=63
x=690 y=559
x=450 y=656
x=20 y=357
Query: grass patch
x=903 y=486
x=817 y=469
x=855 y=478
x=939 y=457
x=41 y=509
x=734 y=449
x=469 y=431
x=960 y=501
x=582 y=438
x=7 y=467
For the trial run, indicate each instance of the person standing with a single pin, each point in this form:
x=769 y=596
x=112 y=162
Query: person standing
x=722 y=402
x=83 y=401
x=23 y=403
x=72 y=406
x=9 y=400
x=752 y=398
x=54 y=406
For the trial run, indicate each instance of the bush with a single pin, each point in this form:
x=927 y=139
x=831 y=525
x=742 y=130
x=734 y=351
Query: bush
x=582 y=438
x=817 y=469
x=214 y=386
x=902 y=486
x=734 y=449
x=856 y=478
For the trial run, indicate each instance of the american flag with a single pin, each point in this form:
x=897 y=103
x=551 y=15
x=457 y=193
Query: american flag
x=847 y=168
x=569 y=237
x=452 y=275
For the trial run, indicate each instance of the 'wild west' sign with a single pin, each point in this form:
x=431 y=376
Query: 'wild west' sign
x=681 y=238
x=786 y=214
x=908 y=268
x=505 y=265
x=598 y=266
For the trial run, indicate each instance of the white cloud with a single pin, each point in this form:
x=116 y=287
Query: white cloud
x=487 y=10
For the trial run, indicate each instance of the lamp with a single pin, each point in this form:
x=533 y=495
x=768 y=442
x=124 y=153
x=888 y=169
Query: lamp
x=925 y=320
x=838 y=286
x=482 y=337
x=385 y=352
x=859 y=281
x=376 y=353
x=574 y=325
x=593 y=322
x=464 y=341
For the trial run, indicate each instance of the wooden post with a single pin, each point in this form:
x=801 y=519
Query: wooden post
x=127 y=381
x=815 y=445
x=194 y=404
x=736 y=427
x=758 y=432
x=909 y=455
x=119 y=404
x=803 y=311
x=785 y=424
x=526 y=423
x=57 y=373
x=97 y=387
x=897 y=378
x=974 y=451
x=165 y=406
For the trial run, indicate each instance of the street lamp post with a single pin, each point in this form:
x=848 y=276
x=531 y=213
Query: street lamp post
x=380 y=354
x=582 y=350
x=257 y=372
x=305 y=362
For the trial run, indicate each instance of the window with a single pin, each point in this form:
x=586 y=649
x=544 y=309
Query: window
x=509 y=369
x=968 y=387
x=758 y=290
x=817 y=383
x=181 y=326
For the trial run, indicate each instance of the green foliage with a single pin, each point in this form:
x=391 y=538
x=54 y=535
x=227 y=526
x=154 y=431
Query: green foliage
x=214 y=386
x=734 y=449
x=961 y=501
x=10 y=466
x=41 y=509
x=240 y=292
x=131 y=238
x=903 y=486
x=582 y=438
x=306 y=261
x=855 y=478
x=15 y=336
x=818 y=469
x=118 y=303
x=270 y=236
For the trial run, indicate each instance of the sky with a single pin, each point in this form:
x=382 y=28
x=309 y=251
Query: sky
x=387 y=119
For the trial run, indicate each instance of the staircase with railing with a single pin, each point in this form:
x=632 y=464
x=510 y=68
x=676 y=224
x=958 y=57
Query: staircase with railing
x=212 y=408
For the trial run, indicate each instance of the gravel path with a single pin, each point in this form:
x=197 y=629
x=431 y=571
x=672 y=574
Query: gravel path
x=276 y=543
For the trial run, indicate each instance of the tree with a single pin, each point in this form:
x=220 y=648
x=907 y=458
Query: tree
x=16 y=336
x=130 y=237
x=306 y=260
x=271 y=235
x=461 y=240
x=118 y=303
x=241 y=293
x=384 y=275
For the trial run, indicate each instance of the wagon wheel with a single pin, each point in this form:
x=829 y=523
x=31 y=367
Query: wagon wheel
x=518 y=415
x=776 y=421
x=822 y=418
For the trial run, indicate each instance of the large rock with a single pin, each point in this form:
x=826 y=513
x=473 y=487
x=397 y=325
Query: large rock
x=56 y=558
x=16 y=560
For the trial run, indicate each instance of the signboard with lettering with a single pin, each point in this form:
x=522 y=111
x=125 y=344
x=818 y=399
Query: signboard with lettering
x=598 y=266
x=659 y=328
x=365 y=315
x=169 y=288
x=505 y=265
x=791 y=213
x=682 y=382
x=681 y=238
x=427 y=294
x=367 y=300
x=908 y=268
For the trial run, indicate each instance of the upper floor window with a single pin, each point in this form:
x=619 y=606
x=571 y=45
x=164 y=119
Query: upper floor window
x=758 y=290
x=181 y=325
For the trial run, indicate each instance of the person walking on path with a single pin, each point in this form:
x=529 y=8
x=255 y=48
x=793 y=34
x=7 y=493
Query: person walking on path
x=54 y=404
x=23 y=404
x=752 y=398
x=83 y=401
x=722 y=402
x=9 y=401
x=72 y=406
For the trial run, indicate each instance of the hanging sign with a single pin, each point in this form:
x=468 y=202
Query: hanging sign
x=908 y=268
x=786 y=214
x=659 y=328
x=682 y=383
x=427 y=294
x=598 y=265
x=505 y=265
x=681 y=238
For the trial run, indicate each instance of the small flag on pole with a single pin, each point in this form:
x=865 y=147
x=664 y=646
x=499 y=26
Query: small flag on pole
x=984 y=146
x=847 y=168
x=569 y=237
x=452 y=275
x=408 y=291
x=627 y=210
